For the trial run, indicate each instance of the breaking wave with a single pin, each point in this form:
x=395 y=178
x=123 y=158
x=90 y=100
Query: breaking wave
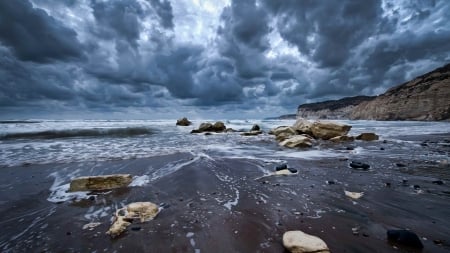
x=70 y=133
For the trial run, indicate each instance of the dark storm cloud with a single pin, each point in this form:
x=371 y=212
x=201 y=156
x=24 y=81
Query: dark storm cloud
x=262 y=54
x=33 y=35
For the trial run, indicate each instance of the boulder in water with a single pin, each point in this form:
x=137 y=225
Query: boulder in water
x=300 y=242
x=297 y=141
x=183 y=122
x=255 y=127
x=251 y=133
x=96 y=183
x=326 y=130
x=367 y=137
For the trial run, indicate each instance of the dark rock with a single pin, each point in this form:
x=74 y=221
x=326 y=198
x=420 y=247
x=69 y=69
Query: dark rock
x=208 y=133
x=438 y=242
x=330 y=182
x=423 y=144
x=136 y=228
x=367 y=137
x=183 y=122
x=281 y=167
x=349 y=148
x=385 y=141
x=91 y=198
x=204 y=127
x=405 y=182
x=292 y=170
x=387 y=184
x=404 y=237
x=68 y=233
x=438 y=182
x=400 y=165
x=195 y=131
x=416 y=187
x=359 y=165
x=255 y=127
x=381 y=148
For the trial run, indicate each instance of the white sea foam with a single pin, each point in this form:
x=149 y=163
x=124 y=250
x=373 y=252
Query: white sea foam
x=59 y=191
x=233 y=202
x=140 y=180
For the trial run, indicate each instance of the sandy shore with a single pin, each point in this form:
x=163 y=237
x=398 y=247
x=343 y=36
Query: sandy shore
x=219 y=204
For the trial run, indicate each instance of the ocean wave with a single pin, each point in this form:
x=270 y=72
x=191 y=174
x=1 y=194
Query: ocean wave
x=70 y=133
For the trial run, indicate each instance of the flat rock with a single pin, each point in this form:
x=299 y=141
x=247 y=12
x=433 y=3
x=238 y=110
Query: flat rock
x=104 y=182
x=326 y=130
x=300 y=242
x=297 y=141
x=251 y=133
x=343 y=138
x=367 y=137
x=359 y=165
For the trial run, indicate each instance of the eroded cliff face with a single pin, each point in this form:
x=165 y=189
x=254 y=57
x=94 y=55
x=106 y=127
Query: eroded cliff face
x=426 y=97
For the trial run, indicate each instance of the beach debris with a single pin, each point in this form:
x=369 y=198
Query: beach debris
x=342 y=138
x=183 y=122
x=91 y=225
x=140 y=211
x=300 y=242
x=297 y=141
x=404 y=237
x=326 y=130
x=367 y=137
x=103 y=182
x=359 y=165
x=354 y=195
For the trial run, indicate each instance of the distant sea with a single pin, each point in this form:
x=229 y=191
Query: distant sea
x=53 y=141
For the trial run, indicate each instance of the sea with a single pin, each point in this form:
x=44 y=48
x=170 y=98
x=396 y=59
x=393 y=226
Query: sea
x=27 y=142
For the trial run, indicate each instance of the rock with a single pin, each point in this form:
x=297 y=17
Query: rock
x=183 y=122
x=326 y=130
x=367 y=137
x=251 y=133
x=284 y=172
x=283 y=136
x=359 y=165
x=283 y=129
x=299 y=242
x=303 y=126
x=404 y=237
x=354 y=195
x=204 y=127
x=292 y=170
x=219 y=126
x=297 y=141
x=230 y=130
x=105 y=182
x=255 y=127
x=400 y=165
x=141 y=211
x=91 y=225
x=343 y=138
x=195 y=131
x=282 y=166
x=438 y=182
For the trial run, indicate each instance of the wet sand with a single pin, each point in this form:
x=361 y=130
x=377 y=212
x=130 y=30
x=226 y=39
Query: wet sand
x=218 y=204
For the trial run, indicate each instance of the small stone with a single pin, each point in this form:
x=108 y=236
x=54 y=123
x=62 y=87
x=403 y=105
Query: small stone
x=136 y=228
x=183 y=122
x=292 y=170
x=438 y=242
x=438 y=182
x=400 y=165
x=405 y=182
x=350 y=148
x=68 y=233
x=359 y=165
x=255 y=127
x=381 y=148
x=367 y=137
x=387 y=184
x=281 y=167
x=300 y=242
x=416 y=187
x=330 y=182
x=404 y=237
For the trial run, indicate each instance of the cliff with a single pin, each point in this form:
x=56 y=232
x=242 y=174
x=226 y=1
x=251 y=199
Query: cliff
x=332 y=109
x=427 y=98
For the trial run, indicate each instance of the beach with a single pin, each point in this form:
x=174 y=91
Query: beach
x=215 y=201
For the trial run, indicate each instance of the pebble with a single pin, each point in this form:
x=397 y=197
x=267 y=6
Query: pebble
x=438 y=182
x=387 y=184
x=281 y=167
x=400 y=165
x=359 y=165
x=416 y=187
x=438 y=242
x=381 y=148
x=292 y=170
x=330 y=182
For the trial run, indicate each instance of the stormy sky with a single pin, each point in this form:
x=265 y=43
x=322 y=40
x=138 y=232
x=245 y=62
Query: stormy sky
x=209 y=58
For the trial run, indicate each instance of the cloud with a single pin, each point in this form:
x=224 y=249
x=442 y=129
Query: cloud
x=33 y=35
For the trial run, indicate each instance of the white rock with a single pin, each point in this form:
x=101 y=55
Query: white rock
x=354 y=195
x=297 y=141
x=299 y=242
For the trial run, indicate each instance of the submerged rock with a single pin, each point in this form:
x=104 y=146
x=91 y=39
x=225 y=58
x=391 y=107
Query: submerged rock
x=359 y=165
x=217 y=127
x=104 y=182
x=326 y=130
x=367 y=137
x=251 y=133
x=297 y=141
x=255 y=127
x=140 y=211
x=204 y=127
x=183 y=122
x=404 y=237
x=300 y=242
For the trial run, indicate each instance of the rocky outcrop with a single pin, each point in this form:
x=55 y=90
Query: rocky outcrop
x=217 y=127
x=424 y=98
x=297 y=141
x=332 y=109
x=137 y=211
x=326 y=130
x=300 y=242
x=183 y=122
x=96 y=183
x=303 y=126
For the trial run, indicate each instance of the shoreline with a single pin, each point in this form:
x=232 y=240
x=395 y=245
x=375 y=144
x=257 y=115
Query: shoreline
x=214 y=204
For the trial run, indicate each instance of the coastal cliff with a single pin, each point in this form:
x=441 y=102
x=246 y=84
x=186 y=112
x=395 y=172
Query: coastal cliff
x=426 y=98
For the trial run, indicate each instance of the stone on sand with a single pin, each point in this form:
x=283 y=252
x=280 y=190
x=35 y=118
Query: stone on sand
x=326 y=130
x=104 y=182
x=140 y=211
x=300 y=242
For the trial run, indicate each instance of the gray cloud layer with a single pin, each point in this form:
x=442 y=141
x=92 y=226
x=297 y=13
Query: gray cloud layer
x=262 y=58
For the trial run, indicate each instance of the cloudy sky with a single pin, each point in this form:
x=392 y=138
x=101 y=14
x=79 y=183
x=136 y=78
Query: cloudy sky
x=209 y=58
